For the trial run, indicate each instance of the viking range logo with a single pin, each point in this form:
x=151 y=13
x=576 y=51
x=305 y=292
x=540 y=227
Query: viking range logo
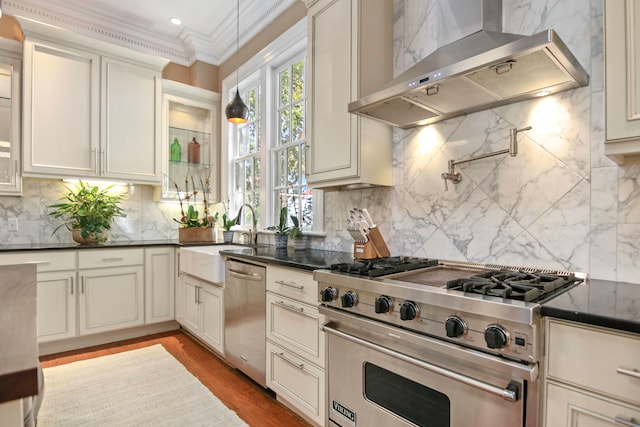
x=344 y=412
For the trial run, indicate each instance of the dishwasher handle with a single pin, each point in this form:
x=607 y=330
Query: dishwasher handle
x=245 y=276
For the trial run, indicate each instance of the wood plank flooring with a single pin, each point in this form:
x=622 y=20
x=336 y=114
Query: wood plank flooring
x=255 y=405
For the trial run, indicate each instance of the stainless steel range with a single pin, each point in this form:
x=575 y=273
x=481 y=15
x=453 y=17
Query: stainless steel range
x=414 y=341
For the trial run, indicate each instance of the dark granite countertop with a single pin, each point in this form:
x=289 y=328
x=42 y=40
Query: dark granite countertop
x=310 y=259
x=599 y=302
x=19 y=349
x=106 y=245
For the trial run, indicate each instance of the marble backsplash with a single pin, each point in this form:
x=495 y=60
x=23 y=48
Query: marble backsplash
x=559 y=204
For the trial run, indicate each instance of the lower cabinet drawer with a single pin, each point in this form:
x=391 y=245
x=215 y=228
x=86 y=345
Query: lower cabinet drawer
x=604 y=361
x=100 y=258
x=571 y=407
x=296 y=327
x=297 y=381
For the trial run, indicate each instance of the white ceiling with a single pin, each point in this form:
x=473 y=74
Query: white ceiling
x=207 y=32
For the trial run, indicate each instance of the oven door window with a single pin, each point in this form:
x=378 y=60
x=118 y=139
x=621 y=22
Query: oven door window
x=409 y=400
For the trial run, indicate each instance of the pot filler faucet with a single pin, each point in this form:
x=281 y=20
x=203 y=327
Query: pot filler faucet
x=253 y=233
x=455 y=177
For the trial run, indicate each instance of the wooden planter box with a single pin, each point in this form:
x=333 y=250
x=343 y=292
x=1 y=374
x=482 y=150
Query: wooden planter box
x=197 y=235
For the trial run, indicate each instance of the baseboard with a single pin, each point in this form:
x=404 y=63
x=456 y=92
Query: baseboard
x=52 y=347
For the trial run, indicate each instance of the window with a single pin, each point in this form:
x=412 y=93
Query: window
x=290 y=184
x=267 y=154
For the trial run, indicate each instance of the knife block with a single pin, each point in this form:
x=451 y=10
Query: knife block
x=364 y=250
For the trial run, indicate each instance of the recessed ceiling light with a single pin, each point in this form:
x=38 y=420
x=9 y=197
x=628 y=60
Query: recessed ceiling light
x=176 y=21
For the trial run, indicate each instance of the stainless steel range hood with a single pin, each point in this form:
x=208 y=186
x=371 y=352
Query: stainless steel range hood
x=480 y=71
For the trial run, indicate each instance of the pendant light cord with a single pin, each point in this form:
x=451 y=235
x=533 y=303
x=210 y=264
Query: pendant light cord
x=237 y=47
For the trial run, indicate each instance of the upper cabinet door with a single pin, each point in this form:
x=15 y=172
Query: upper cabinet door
x=131 y=122
x=10 y=142
x=61 y=105
x=91 y=108
x=350 y=54
x=622 y=78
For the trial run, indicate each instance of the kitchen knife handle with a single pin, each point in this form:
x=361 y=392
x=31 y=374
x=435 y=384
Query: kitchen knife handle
x=367 y=217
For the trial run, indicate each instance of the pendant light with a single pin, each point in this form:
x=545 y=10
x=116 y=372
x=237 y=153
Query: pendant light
x=237 y=111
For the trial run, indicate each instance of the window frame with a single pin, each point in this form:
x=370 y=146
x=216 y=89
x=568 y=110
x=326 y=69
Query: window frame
x=288 y=46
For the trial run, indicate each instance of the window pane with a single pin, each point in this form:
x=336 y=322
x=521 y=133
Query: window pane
x=307 y=207
x=303 y=176
x=257 y=173
x=293 y=165
x=248 y=176
x=281 y=169
x=251 y=100
x=238 y=177
x=297 y=121
x=243 y=140
x=285 y=126
x=285 y=97
x=298 y=81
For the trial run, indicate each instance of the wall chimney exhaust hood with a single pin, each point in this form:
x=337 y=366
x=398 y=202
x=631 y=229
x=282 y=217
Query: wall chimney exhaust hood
x=480 y=71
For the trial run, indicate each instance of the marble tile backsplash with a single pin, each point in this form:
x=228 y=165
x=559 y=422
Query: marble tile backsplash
x=559 y=204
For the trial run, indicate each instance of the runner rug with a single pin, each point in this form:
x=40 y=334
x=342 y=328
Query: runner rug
x=143 y=387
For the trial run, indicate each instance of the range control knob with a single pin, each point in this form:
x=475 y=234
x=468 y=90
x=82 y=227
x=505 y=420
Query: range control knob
x=349 y=299
x=328 y=294
x=408 y=310
x=496 y=336
x=455 y=327
x=383 y=304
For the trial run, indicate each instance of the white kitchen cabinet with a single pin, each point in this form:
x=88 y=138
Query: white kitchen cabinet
x=591 y=376
x=350 y=55
x=203 y=310
x=111 y=292
x=56 y=305
x=622 y=79
x=295 y=342
x=91 y=109
x=159 y=283
x=56 y=302
x=10 y=131
x=188 y=112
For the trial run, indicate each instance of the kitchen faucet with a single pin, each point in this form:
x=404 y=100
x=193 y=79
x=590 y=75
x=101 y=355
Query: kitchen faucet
x=253 y=233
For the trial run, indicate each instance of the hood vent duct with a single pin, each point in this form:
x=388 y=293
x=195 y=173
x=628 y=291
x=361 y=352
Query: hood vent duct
x=483 y=70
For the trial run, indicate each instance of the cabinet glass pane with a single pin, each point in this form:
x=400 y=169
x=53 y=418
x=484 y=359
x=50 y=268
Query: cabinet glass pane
x=6 y=172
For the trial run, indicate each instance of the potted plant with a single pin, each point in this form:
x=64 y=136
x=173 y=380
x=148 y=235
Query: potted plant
x=195 y=227
x=281 y=230
x=295 y=233
x=227 y=223
x=88 y=211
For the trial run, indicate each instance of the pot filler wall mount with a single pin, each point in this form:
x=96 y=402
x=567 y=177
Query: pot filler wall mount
x=455 y=177
x=483 y=70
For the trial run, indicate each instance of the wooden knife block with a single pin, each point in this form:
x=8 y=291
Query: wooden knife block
x=375 y=247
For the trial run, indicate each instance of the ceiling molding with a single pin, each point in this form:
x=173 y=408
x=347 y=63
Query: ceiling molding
x=136 y=31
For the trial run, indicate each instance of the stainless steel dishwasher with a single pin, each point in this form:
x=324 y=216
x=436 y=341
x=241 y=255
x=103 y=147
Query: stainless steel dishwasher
x=245 y=319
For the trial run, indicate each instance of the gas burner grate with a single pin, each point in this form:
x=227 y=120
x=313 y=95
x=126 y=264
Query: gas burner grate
x=521 y=285
x=383 y=266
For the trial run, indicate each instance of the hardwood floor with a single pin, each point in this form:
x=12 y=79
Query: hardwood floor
x=255 y=405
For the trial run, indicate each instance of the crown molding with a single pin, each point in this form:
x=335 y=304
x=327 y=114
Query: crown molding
x=134 y=32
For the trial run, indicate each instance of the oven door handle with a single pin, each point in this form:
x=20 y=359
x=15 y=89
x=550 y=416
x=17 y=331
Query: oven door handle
x=510 y=393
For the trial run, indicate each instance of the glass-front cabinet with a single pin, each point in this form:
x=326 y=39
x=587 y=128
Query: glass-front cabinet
x=190 y=147
x=10 y=74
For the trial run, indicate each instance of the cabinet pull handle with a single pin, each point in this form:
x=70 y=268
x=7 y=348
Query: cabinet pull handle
x=630 y=372
x=37 y=262
x=195 y=295
x=290 y=284
x=112 y=259
x=82 y=285
x=95 y=160
x=16 y=171
x=290 y=307
x=104 y=161
x=629 y=423
x=289 y=361
x=71 y=287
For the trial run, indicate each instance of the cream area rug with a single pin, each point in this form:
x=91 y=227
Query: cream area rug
x=143 y=387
